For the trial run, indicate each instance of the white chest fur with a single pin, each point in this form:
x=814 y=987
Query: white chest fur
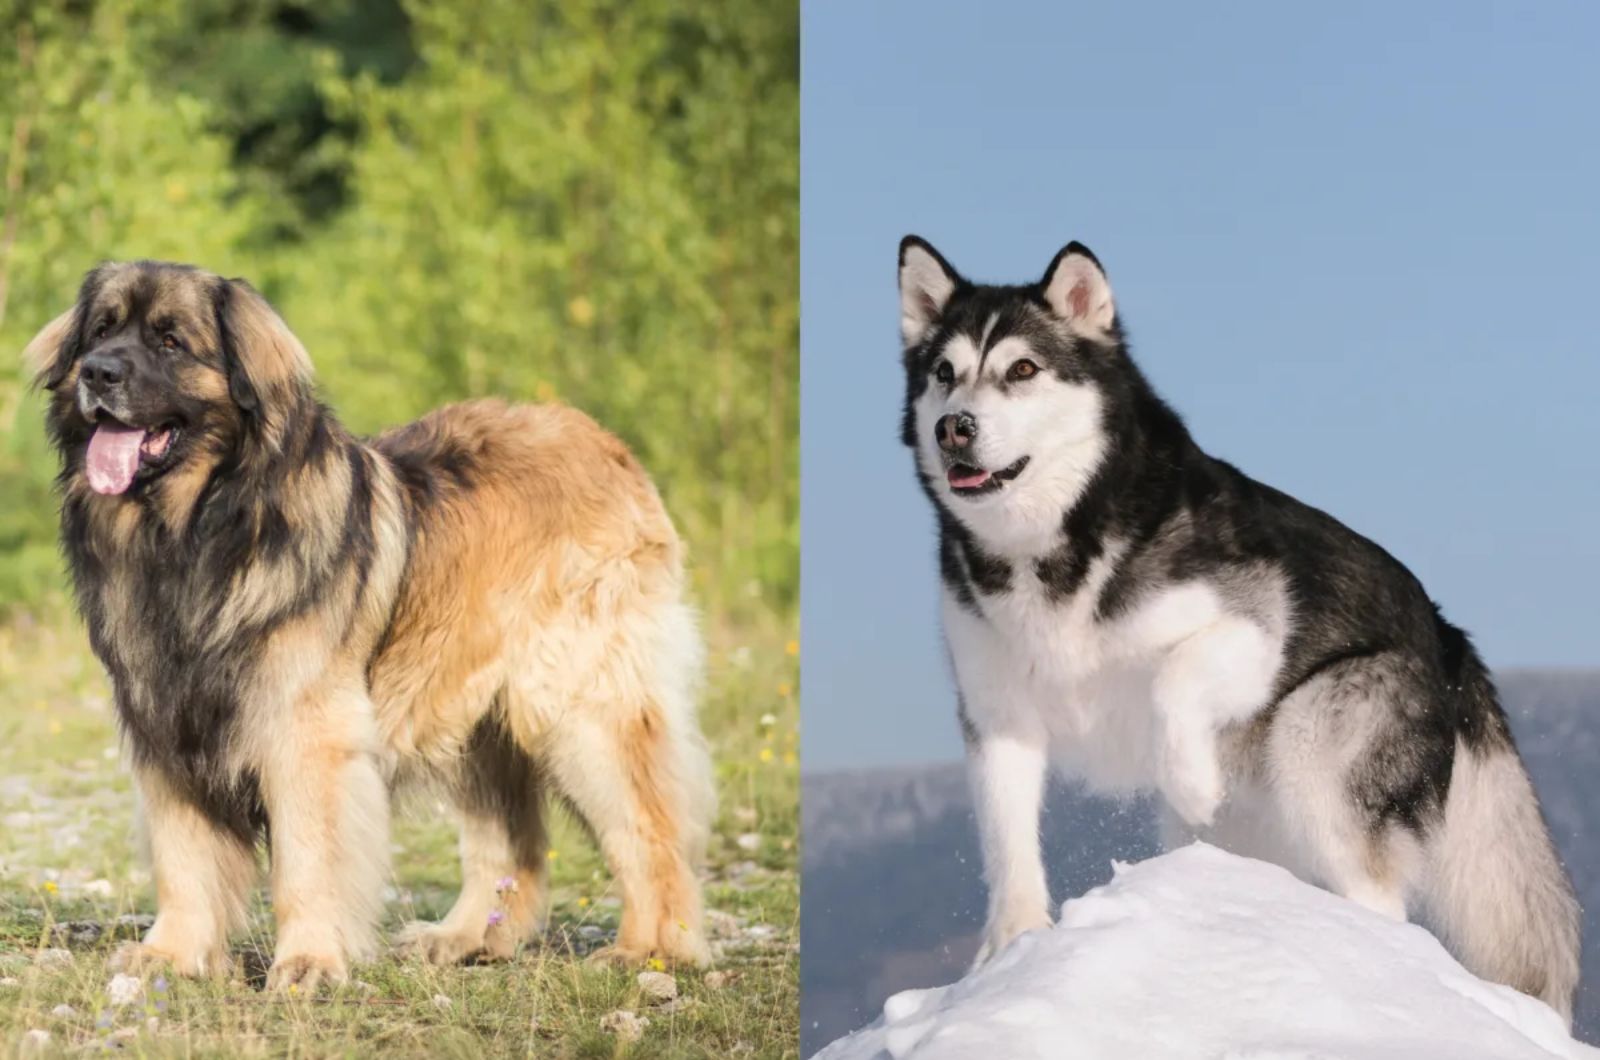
x=1100 y=695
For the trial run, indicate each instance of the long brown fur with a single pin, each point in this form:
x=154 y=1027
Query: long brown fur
x=296 y=622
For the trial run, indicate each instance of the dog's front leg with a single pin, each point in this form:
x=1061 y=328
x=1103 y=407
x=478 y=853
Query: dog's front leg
x=328 y=810
x=203 y=871
x=1008 y=774
x=1215 y=677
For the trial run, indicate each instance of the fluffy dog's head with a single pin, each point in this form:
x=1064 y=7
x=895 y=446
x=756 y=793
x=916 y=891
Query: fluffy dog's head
x=164 y=371
x=1008 y=388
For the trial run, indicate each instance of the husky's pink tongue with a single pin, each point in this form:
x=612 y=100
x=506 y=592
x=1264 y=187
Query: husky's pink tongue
x=113 y=457
x=966 y=478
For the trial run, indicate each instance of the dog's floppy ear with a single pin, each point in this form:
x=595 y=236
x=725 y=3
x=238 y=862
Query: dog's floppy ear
x=926 y=284
x=1077 y=291
x=260 y=354
x=51 y=352
x=46 y=355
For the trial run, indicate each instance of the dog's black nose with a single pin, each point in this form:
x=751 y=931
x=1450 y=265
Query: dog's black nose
x=955 y=431
x=102 y=371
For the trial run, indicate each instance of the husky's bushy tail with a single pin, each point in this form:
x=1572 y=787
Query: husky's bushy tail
x=1497 y=893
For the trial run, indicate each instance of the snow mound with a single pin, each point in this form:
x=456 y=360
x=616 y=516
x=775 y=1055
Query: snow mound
x=1199 y=953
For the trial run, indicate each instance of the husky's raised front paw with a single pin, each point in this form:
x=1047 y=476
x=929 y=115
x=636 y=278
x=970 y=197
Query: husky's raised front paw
x=1192 y=784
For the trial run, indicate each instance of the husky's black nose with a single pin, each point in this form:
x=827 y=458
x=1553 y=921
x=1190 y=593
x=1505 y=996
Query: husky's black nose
x=102 y=371
x=955 y=431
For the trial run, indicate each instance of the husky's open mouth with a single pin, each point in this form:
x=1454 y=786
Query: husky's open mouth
x=118 y=453
x=969 y=481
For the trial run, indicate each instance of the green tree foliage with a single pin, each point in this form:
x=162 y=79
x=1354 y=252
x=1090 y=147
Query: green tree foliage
x=595 y=202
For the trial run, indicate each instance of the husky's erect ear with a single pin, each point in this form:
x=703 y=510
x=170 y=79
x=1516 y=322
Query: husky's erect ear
x=264 y=361
x=45 y=355
x=1077 y=291
x=926 y=283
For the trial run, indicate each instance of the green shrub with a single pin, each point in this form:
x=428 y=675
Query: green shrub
x=596 y=202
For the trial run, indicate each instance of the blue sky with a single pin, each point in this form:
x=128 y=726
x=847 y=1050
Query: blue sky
x=1357 y=246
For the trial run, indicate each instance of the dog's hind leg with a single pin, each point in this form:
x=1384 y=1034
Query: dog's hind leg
x=1337 y=770
x=203 y=873
x=503 y=843
x=619 y=777
x=635 y=767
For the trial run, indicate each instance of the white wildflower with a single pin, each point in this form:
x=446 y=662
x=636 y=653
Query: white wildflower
x=658 y=986
x=124 y=989
x=627 y=1026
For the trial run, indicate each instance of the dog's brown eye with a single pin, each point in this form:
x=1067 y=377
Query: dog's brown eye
x=103 y=330
x=1023 y=370
x=945 y=373
x=169 y=341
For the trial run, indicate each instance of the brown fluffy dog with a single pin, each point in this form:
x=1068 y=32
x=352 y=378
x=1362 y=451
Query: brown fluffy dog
x=295 y=621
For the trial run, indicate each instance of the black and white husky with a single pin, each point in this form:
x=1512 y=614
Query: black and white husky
x=1124 y=607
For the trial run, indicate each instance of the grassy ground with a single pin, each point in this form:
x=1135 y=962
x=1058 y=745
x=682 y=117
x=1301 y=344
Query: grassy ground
x=71 y=887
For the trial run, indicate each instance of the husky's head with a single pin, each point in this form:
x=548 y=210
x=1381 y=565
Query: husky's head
x=1006 y=389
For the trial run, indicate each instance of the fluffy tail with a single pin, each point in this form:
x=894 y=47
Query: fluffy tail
x=1497 y=893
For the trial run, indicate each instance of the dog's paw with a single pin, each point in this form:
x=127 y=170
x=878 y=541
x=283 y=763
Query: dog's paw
x=306 y=972
x=137 y=958
x=1191 y=781
x=1195 y=799
x=1002 y=930
x=682 y=945
x=439 y=944
x=618 y=956
x=678 y=945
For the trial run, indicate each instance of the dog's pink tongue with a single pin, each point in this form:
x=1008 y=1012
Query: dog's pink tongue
x=113 y=457
x=967 y=478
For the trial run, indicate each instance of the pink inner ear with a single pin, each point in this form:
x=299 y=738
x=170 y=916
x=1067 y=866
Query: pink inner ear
x=1078 y=298
x=930 y=308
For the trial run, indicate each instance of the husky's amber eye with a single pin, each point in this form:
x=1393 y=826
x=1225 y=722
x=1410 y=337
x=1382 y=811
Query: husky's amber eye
x=945 y=373
x=1022 y=370
x=169 y=341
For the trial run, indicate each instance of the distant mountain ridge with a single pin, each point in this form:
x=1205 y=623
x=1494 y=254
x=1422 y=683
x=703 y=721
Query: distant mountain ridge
x=893 y=894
